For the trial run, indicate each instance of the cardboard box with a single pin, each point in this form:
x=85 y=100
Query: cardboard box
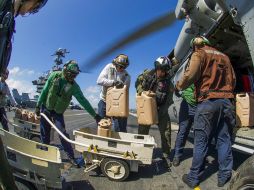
x=104 y=132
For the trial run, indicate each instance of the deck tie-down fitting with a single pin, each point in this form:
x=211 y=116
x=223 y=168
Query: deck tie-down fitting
x=131 y=154
x=90 y=148
x=93 y=148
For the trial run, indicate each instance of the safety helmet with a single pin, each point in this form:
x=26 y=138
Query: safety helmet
x=199 y=41
x=121 y=60
x=163 y=63
x=72 y=67
x=41 y=3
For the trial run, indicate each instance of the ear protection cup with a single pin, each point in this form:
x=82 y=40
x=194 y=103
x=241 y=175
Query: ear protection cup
x=199 y=41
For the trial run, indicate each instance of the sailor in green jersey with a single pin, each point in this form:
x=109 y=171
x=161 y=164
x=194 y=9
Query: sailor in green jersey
x=186 y=117
x=54 y=100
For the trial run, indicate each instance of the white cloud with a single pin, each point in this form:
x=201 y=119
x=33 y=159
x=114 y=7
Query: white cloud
x=93 y=89
x=30 y=72
x=21 y=80
x=92 y=93
x=22 y=86
x=16 y=71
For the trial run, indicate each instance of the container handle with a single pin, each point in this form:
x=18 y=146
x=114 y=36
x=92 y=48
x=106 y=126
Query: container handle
x=241 y=95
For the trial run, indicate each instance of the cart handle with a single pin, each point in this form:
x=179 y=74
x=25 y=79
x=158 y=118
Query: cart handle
x=61 y=134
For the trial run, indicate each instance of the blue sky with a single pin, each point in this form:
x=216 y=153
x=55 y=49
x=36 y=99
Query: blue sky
x=85 y=27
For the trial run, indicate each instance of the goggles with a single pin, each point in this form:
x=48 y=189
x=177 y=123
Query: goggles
x=71 y=75
x=120 y=67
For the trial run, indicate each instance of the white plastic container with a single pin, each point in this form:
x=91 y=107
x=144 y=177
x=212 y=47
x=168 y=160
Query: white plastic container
x=244 y=109
x=117 y=102
x=147 y=108
x=104 y=128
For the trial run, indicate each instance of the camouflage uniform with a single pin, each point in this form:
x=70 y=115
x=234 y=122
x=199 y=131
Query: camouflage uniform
x=164 y=98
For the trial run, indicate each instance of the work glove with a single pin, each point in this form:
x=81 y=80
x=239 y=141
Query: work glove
x=37 y=111
x=118 y=84
x=97 y=118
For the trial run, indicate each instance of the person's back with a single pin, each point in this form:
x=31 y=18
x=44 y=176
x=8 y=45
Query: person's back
x=214 y=79
x=217 y=78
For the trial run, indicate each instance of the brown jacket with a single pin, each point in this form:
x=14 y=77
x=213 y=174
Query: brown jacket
x=212 y=74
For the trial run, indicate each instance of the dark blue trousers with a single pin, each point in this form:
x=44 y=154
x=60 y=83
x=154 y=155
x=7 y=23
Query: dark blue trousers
x=59 y=122
x=186 y=118
x=3 y=118
x=213 y=117
x=119 y=123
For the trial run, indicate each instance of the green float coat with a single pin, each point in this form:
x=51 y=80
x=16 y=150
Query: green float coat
x=57 y=93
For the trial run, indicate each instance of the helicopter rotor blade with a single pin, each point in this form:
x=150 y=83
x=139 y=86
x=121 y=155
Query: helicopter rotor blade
x=152 y=27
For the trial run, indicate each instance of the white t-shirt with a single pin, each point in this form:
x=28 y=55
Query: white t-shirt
x=107 y=77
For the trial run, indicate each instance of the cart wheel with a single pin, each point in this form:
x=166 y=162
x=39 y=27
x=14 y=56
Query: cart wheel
x=23 y=184
x=115 y=169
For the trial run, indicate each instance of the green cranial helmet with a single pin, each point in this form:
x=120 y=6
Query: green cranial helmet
x=199 y=41
x=72 y=67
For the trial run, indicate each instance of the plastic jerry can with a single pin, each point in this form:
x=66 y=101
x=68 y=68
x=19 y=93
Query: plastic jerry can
x=30 y=117
x=37 y=119
x=24 y=115
x=147 y=108
x=117 y=102
x=18 y=113
x=244 y=109
x=104 y=128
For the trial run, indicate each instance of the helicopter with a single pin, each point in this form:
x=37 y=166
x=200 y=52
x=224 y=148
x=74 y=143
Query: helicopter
x=228 y=25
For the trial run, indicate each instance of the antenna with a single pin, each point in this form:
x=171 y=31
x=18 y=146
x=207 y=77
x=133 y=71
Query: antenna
x=59 y=54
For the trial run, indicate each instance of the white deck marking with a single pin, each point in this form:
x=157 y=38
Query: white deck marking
x=77 y=114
